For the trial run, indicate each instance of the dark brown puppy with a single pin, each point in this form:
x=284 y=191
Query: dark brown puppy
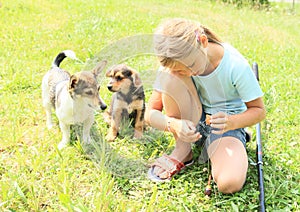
x=128 y=100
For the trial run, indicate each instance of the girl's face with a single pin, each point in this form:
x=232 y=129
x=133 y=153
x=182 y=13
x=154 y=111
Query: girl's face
x=181 y=70
x=197 y=62
x=193 y=65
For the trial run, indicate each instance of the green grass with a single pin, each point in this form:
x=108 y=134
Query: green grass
x=35 y=176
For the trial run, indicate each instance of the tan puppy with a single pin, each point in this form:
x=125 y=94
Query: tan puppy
x=75 y=98
x=128 y=100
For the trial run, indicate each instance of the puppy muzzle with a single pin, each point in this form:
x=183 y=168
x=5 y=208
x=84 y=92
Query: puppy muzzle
x=110 y=87
x=103 y=106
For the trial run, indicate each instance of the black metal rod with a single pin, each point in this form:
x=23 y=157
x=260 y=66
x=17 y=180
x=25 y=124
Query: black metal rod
x=259 y=155
x=260 y=168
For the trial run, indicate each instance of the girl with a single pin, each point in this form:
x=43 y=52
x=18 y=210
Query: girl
x=199 y=70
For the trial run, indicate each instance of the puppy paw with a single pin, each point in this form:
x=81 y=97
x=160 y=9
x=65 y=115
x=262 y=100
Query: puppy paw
x=62 y=145
x=87 y=139
x=110 y=137
x=138 y=134
x=107 y=118
x=49 y=125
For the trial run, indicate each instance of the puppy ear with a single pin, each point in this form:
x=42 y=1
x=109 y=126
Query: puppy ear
x=97 y=70
x=127 y=73
x=107 y=74
x=136 y=79
x=109 y=71
x=72 y=82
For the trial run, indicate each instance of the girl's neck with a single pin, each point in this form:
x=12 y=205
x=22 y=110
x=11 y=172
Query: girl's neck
x=215 y=53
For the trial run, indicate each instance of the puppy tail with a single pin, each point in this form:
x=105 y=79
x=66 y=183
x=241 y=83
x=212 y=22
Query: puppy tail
x=62 y=55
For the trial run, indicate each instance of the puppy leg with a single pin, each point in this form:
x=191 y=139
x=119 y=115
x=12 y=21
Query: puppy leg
x=47 y=105
x=49 y=122
x=107 y=114
x=65 y=129
x=114 y=125
x=139 y=124
x=86 y=129
x=107 y=117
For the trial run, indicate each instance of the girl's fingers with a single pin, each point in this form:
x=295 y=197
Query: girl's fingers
x=219 y=120
x=188 y=133
x=219 y=117
x=189 y=136
x=220 y=126
x=192 y=138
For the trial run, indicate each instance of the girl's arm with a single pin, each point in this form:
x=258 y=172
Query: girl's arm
x=153 y=115
x=255 y=113
x=183 y=129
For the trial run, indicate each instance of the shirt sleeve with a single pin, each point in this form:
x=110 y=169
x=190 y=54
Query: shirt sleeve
x=245 y=82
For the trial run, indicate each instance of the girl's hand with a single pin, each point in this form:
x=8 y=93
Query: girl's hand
x=220 y=123
x=185 y=130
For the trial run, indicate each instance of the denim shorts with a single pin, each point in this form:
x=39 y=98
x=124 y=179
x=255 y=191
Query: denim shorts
x=240 y=134
x=237 y=133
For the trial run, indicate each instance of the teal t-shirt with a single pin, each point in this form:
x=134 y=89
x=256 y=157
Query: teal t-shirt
x=229 y=86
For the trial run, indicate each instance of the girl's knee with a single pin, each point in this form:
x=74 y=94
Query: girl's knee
x=231 y=184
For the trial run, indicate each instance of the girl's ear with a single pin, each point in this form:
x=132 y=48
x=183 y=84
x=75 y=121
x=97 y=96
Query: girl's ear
x=203 y=40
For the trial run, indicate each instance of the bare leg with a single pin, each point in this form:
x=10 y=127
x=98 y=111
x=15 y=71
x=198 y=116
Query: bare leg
x=229 y=164
x=181 y=101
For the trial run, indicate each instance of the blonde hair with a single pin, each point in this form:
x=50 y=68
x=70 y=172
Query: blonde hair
x=176 y=39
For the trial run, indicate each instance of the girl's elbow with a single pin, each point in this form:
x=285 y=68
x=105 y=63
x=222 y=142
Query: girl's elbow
x=263 y=114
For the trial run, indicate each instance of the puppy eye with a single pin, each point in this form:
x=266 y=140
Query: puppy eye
x=89 y=93
x=98 y=88
x=118 y=78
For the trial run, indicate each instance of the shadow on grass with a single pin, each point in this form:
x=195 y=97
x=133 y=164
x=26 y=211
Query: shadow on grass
x=124 y=169
x=107 y=158
x=153 y=144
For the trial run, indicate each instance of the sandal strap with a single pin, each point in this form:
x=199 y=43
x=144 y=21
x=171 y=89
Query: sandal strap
x=169 y=164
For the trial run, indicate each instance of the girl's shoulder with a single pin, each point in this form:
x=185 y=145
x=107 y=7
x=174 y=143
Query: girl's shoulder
x=233 y=51
x=234 y=57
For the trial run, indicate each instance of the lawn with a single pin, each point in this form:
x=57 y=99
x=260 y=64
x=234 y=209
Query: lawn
x=36 y=176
